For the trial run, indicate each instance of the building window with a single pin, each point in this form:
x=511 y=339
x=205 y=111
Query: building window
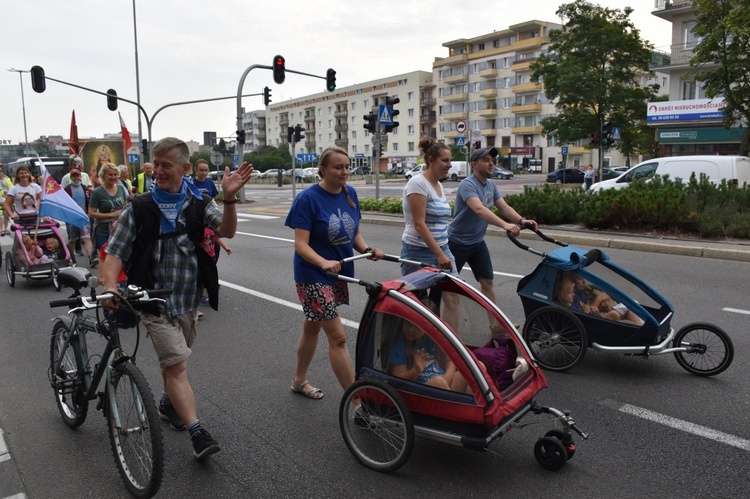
x=395 y=146
x=330 y=109
x=354 y=106
x=366 y=103
x=410 y=146
x=410 y=96
x=410 y=129
x=330 y=136
x=410 y=113
x=330 y=123
x=367 y=149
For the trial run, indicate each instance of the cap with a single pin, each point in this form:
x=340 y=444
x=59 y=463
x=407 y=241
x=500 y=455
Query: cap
x=77 y=160
x=75 y=171
x=480 y=153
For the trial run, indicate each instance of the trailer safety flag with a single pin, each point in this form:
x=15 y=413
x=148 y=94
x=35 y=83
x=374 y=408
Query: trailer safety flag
x=56 y=203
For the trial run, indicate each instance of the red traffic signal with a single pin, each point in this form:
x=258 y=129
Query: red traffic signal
x=279 y=69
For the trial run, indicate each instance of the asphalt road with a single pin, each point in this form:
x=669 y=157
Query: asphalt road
x=656 y=430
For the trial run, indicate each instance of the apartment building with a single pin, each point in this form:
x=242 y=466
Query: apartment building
x=254 y=124
x=689 y=123
x=336 y=119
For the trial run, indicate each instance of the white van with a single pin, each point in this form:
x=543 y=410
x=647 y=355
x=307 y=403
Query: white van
x=733 y=169
x=459 y=170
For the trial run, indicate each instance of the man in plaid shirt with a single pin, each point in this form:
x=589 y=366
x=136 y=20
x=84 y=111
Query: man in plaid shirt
x=175 y=266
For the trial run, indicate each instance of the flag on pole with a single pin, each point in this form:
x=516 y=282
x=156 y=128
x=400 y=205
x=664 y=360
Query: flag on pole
x=56 y=203
x=125 y=133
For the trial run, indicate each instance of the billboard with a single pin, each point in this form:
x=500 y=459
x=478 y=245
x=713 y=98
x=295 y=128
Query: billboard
x=685 y=110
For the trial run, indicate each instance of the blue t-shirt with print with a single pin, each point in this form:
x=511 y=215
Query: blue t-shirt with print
x=206 y=186
x=332 y=224
x=424 y=343
x=467 y=227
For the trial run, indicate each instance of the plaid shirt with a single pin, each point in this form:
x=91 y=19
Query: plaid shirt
x=174 y=261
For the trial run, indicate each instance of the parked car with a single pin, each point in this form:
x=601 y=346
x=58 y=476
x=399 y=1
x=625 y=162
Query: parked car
x=619 y=169
x=575 y=175
x=502 y=173
x=360 y=170
x=218 y=174
x=310 y=174
x=415 y=170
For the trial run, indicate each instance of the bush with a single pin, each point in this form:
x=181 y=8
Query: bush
x=549 y=205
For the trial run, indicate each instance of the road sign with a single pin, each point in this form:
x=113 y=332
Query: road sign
x=236 y=159
x=461 y=126
x=133 y=158
x=460 y=142
x=616 y=134
x=307 y=157
x=216 y=158
x=564 y=150
x=385 y=115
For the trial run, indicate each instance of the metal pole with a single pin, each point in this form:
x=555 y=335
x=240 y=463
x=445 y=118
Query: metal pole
x=23 y=104
x=138 y=87
x=239 y=115
x=294 y=171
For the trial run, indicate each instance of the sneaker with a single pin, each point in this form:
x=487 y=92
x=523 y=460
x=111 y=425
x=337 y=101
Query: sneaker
x=79 y=253
x=203 y=444
x=167 y=413
x=205 y=298
x=93 y=261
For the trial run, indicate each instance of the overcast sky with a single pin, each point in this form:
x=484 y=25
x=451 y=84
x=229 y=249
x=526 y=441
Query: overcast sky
x=190 y=50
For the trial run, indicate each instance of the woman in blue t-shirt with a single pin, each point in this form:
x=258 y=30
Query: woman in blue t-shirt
x=325 y=218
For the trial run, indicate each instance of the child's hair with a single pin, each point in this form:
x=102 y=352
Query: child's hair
x=52 y=240
x=27 y=240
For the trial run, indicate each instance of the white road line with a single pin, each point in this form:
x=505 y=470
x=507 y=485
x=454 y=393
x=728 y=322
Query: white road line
x=516 y=276
x=253 y=215
x=266 y=237
x=736 y=310
x=278 y=301
x=686 y=426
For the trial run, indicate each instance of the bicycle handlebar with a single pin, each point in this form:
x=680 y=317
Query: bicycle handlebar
x=134 y=294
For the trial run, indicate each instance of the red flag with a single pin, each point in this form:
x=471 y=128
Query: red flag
x=73 y=142
x=125 y=133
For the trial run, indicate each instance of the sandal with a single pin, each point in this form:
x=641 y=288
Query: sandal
x=311 y=392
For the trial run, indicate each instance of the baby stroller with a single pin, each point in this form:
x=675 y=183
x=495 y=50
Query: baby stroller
x=576 y=300
x=18 y=261
x=381 y=413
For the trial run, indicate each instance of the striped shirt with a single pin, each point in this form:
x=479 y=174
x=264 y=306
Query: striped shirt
x=174 y=259
x=437 y=215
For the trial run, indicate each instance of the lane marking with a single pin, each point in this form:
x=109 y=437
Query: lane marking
x=736 y=310
x=278 y=301
x=680 y=424
x=253 y=215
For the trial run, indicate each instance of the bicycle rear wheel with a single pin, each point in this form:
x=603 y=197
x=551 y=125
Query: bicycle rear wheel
x=68 y=385
x=134 y=430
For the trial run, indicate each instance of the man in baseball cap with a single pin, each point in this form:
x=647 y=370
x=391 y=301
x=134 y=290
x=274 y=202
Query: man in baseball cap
x=476 y=195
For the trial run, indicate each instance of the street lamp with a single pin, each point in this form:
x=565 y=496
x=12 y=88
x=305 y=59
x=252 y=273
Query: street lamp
x=23 y=104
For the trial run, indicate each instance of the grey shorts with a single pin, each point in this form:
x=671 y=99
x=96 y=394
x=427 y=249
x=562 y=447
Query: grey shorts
x=171 y=342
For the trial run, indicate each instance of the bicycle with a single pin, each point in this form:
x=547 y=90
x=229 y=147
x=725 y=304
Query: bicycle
x=126 y=399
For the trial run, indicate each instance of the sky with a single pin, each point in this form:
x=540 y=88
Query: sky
x=190 y=50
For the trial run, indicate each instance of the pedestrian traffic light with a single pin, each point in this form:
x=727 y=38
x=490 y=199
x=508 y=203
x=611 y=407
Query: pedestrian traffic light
x=289 y=134
x=370 y=122
x=298 y=133
x=266 y=96
x=38 y=83
x=279 y=69
x=607 y=139
x=240 y=136
x=330 y=80
x=112 y=99
x=594 y=139
x=391 y=102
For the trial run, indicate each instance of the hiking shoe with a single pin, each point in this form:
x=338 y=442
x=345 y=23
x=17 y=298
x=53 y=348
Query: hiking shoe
x=167 y=413
x=203 y=444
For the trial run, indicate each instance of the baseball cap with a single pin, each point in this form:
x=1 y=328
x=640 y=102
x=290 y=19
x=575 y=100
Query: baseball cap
x=75 y=171
x=480 y=153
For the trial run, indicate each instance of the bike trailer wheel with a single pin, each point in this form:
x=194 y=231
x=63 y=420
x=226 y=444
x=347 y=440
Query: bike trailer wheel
x=709 y=349
x=556 y=337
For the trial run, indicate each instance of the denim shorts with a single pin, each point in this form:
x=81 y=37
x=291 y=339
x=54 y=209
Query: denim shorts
x=476 y=255
x=425 y=255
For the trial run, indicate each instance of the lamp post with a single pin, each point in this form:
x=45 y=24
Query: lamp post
x=23 y=104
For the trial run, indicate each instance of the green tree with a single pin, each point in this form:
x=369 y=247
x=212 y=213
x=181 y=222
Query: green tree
x=721 y=58
x=592 y=70
x=42 y=147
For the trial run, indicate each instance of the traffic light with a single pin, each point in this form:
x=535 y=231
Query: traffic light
x=38 y=83
x=279 y=69
x=112 y=99
x=240 y=136
x=144 y=148
x=266 y=96
x=330 y=80
x=371 y=121
x=298 y=133
x=594 y=139
x=477 y=145
x=607 y=139
x=289 y=134
x=391 y=102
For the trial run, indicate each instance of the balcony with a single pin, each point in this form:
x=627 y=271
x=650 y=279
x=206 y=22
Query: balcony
x=526 y=87
x=310 y=144
x=341 y=128
x=527 y=129
x=341 y=114
x=490 y=112
x=456 y=116
x=459 y=78
x=455 y=60
x=456 y=97
x=528 y=43
x=428 y=101
x=679 y=55
x=427 y=118
x=451 y=134
x=284 y=121
x=342 y=142
x=488 y=132
x=526 y=108
x=521 y=65
x=488 y=92
x=666 y=9
x=488 y=73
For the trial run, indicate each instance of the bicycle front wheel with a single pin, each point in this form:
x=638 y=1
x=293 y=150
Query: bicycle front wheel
x=65 y=379
x=134 y=430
